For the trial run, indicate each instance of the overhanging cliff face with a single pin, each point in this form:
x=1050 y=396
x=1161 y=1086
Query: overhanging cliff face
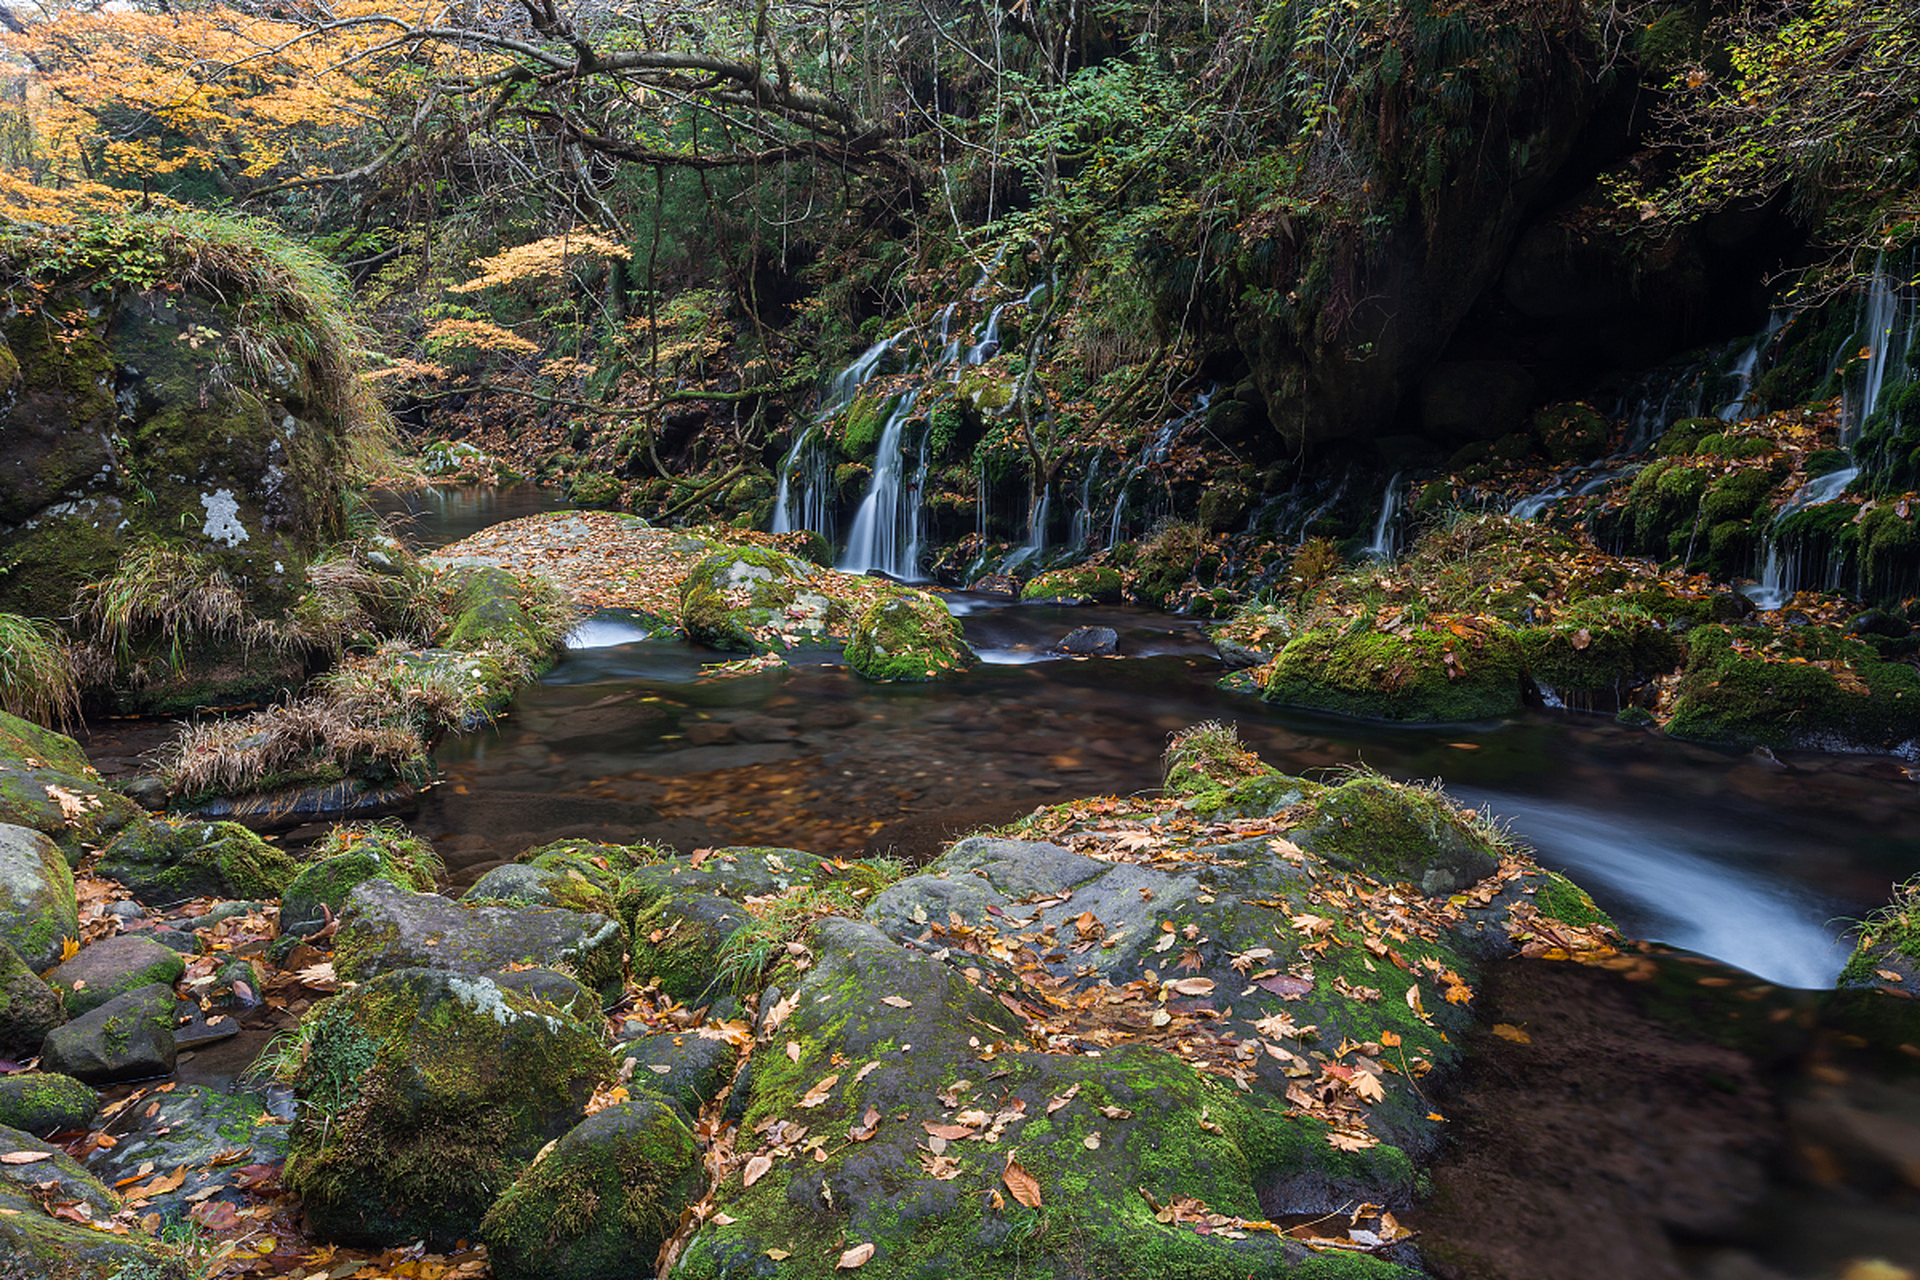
x=128 y=415
x=1403 y=294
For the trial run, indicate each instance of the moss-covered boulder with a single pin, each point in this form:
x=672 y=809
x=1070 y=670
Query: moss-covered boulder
x=46 y=1102
x=385 y=928
x=758 y=600
x=1253 y=636
x=130 y=1037
x=1572 y=432
x=1398 y=833
x=599 y=1205
x=735 y=872
x=687 y=1068
x=1592 y=656
x=28 y=1009
x=112 y=967
x=172 y=860
x=38 y=909
x=679 y=944
x=909 y=636
x=47 y=784
x=493 y=608
x=1426 y=673
x=200 y=389
x=426 y=1093
x=1219 y=778
x=1077 y=584
x=349 y=856
x=1808 y=687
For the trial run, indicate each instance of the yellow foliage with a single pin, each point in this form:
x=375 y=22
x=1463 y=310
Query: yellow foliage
x=478 y=335
x=546 y=259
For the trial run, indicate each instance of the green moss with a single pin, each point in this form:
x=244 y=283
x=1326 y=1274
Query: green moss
x=1598 y=649
x=908 y=636
x=1078 y=583
x=1561 y=899
x=1383 y=676
x=1396 y=832
x=1752 y=687
x=757 y=600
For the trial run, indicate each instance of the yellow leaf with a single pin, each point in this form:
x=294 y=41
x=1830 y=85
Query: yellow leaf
x=1507 y=1031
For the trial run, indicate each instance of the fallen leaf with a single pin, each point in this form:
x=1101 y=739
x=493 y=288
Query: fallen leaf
x=1192 y=986
x=757 y=1169
x=25 y=1157
x=1092 y=1141
x=857 y=1256
x=820 y=1092
x=1507 y=1031
x=778 y=1255
x=1021 y=1184
x=897 y=1002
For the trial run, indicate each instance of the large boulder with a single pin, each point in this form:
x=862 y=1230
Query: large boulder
x=35 y=1245
x=385 y=928
x=757 y=600
x=172 y=860
x=38 y=909
x=202 y=401
x=45 y=1102
x=1424 y=673
x=908 y=636
x=350 y=856
x=426 y=1093
x=599 y=1205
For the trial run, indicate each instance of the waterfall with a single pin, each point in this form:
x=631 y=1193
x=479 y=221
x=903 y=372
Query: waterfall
x=1886 y=329
x=1382 y=546
x=1780 y=572
x=783 y=517
x=1155 y=451
x=1082 y=528
x=886 y=528
x=1036 y=532
x=847 y=383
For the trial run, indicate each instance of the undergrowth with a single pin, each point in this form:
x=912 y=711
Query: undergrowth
x=38 y=678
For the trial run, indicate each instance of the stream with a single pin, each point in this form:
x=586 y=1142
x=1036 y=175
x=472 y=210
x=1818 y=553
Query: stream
x=1752 y=859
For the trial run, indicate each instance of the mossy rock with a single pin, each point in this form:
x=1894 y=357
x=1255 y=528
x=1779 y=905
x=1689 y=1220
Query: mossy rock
x=112 y=967
x=130 y=1037
x=1806 y=687
x=174 y=859
x=757 y=600
x=736 y=872
x=1386 y=676
x=1594 y=655
x=599 y=1205
x=686 y=1068
x=46 y=1102
x=492 y=607
x=1397 y=833
x=34 y=1245
x=519 y=884
x=1253 y=636
x=385 y=928
x=678 y=944
x=348 y=857
x=908 y=636
x=424 y=1093
x=34 y=759
x=1561 y=899
x=38 y=909
x=1077 y=584
x=1572 y=432
x=29 y=1009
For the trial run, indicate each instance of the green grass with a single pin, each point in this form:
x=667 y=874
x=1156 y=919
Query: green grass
x=38 y=680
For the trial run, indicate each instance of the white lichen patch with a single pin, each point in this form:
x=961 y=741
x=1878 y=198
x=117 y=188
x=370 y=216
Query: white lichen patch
x=223 y=518
x=485 y=998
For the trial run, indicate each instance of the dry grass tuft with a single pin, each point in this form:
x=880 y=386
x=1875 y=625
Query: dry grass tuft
x=39 y=676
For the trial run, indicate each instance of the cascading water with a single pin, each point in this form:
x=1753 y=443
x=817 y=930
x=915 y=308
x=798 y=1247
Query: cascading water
x=1036 y=532
x=808 y=454
x=1886 y=324
x=1385 y=536
x=886 y=528
x=1155 y=452
x=1082 y=529
x=1780 y=574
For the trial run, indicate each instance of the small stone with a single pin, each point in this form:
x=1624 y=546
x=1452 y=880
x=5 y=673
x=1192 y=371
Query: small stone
x=113 y=967
x=128 y=1038
x=45 y=1102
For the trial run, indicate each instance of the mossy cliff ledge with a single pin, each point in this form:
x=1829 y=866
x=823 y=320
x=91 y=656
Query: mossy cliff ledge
x=185 y=383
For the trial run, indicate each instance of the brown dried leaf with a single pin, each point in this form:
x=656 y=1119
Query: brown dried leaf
x=856 y=1257
x=1021 y=1184
x=757 y=1168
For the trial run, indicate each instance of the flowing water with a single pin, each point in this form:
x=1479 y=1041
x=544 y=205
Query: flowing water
x=1752 y=859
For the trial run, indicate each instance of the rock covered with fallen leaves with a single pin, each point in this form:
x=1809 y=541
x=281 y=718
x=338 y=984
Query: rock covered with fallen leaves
x=46 y=784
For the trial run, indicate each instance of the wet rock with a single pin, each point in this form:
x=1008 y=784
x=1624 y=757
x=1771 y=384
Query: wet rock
x=1079 y=584
x=1427 y=674
x=732 y=872
x=112 y=967
x=1087 y=642
x=995 y=584
x=46 y=1102
x=1396 y=833
x=678 y=942
x=519 y=884
x=424 y=1093
x=350 y=800
x=757 y=600
x=172 y=860
x=320 y=890
x=28 y=1007
x=708 y=733
x=38 y=909
x=557 y=989
x=385 y=928
x=1878 y=622
x=757 y=728
x=600 y=1204
x=46 y=784
x=207 y=1133
x=130 y=1037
